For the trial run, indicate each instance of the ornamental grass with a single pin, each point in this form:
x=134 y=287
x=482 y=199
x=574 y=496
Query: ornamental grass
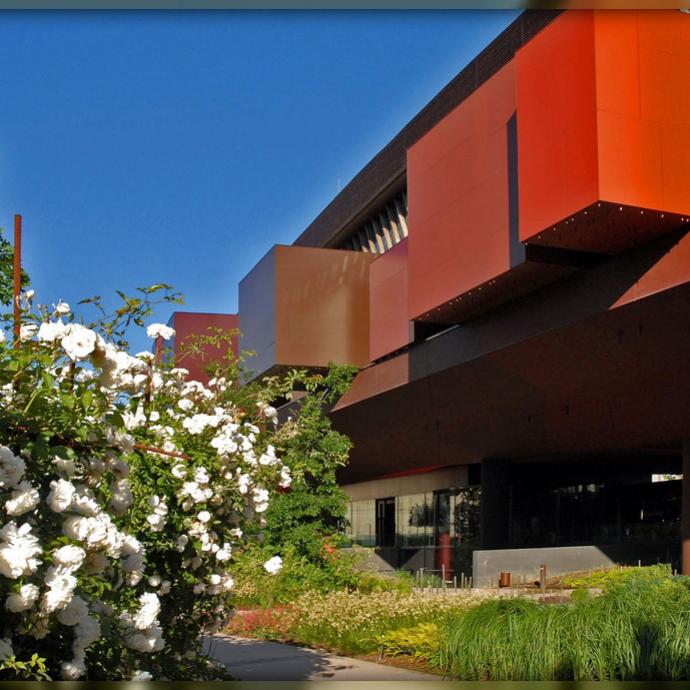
x=636 y=630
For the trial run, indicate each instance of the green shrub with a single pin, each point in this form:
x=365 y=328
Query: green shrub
x=600 y=579
x=334 y=571
x=297 y=575
x=422 y=642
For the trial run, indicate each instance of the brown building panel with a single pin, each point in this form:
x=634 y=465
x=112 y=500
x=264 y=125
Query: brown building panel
x=257 y=308
x=389 y=325
x=303 y=306
x=618 y=380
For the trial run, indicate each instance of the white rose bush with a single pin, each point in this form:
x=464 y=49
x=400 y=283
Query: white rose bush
x=126 y=490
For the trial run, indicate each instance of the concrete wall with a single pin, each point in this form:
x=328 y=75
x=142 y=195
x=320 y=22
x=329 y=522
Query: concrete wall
x=421 y=482
x=486 y=565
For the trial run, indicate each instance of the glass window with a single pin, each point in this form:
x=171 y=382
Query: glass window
x=362 y=519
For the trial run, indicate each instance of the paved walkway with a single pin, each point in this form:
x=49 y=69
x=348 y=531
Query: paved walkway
x=248 y=659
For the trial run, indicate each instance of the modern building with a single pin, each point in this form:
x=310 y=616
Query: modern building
x=192 y=347
x=511 y=274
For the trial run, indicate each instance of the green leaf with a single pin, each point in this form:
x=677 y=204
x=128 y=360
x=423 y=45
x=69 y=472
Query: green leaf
x=67 y=400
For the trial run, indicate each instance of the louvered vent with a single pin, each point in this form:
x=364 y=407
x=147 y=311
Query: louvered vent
x=383 y=230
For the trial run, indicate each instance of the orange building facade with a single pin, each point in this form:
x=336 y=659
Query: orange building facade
x=511 y=275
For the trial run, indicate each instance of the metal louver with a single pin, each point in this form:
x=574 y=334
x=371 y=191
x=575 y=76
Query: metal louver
x=383 y=230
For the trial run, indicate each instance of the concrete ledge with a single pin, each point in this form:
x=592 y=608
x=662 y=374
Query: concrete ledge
x=559 y=560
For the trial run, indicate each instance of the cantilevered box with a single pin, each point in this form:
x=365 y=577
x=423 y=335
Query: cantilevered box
x=603 y=121
x=576 y=149
x=306 y=307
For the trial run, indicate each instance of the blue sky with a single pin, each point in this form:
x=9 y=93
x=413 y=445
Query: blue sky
x=143 y=147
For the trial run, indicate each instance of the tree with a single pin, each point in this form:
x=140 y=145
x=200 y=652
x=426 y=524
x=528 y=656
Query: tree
x=7 y=272
x=314 y=510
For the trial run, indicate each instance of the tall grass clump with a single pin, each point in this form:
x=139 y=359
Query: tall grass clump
x=506 y=639
x=638 y=629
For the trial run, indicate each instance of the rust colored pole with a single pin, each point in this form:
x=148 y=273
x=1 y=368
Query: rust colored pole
x=17 y=275
x=685 y=511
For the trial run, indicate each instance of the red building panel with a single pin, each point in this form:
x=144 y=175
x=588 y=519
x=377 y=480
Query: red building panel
x=557 y=126
x=389 y=324
x=188 y=324
x=457 y=176
x=603 y=129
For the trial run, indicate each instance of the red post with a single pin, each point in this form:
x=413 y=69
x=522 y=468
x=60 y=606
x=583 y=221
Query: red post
x=17 y=275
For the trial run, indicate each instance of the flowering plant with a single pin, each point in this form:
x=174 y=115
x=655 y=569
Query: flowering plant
x=125 y=491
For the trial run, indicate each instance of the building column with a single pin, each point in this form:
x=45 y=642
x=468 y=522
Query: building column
x=495 y=504
x=685 y=511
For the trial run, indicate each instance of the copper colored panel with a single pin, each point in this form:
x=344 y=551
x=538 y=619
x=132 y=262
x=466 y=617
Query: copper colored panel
x=306 y=307
x=617 y=380
x=509 y=285
x=187 y=324
x=670 y=270
x=608 y=228
x=389 y=325
x=322 y=306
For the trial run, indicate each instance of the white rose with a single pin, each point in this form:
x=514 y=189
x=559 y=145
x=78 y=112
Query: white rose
x=179 y=471
x=18 y=551
x=62 y=308
x=141 y=676
x=23 y=599
x=27 y=331
x=23 y=499
x=273 y=565
x=11 y=468
x=61 y=495
x=78 y=342
x=148 y=611
x=160 y=330
x=69 y=557
x=49 y=332
x=72 y=670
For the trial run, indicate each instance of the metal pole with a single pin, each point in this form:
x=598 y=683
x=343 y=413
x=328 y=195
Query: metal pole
x=685 y=511
x=17 y=276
